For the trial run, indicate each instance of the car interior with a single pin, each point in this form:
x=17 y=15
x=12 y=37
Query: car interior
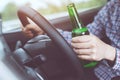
x=45 y=57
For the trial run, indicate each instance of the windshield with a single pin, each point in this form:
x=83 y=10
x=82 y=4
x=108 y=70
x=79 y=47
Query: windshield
x=0 y=25
x=50 y=9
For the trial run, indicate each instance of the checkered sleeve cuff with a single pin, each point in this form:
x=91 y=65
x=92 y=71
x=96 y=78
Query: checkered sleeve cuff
x=117 y=62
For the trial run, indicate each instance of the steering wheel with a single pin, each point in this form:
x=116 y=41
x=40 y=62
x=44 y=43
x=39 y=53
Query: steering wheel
x=26 y=12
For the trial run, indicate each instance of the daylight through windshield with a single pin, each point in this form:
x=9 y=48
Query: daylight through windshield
x=49 y=8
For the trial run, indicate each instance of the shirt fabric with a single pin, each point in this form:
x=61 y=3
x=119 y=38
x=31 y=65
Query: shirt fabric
x=106 y=25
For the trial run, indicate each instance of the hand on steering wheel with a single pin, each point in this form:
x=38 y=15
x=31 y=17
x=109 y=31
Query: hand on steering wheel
x=32 y=30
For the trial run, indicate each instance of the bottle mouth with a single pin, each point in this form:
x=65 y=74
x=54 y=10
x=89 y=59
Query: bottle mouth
x=71 y=5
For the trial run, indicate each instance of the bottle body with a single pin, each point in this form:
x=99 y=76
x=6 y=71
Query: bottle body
x=78 y=30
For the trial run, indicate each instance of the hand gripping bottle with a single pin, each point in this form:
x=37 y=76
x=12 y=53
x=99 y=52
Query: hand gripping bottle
x=78 y=30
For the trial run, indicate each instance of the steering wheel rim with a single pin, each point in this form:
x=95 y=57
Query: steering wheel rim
x=27 y=12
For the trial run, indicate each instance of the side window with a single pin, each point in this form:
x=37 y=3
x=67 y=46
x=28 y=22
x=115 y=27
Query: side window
x=48 y=8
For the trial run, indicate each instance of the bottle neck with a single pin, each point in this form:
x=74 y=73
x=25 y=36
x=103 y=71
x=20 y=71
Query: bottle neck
x=74 y=16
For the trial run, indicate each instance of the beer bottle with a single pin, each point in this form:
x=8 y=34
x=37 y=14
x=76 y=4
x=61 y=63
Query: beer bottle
x=78 y=30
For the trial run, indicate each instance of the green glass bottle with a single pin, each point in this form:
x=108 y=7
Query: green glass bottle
x=78 y=30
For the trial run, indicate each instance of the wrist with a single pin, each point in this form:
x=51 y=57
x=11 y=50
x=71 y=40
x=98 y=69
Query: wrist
x=110 y=53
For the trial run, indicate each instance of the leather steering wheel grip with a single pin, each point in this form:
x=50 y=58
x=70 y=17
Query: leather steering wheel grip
x=26 y=12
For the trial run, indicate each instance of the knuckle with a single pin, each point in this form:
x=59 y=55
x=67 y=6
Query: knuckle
x=93 y=51
x=93 y=45
x=79 y=40
x=94 y=57
x=79 y=51
x=79 y=46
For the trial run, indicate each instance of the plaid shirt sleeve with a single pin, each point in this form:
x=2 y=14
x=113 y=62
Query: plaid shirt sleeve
x=66 y=34
x=117 y=62
x=101 y=25
x=107 y=25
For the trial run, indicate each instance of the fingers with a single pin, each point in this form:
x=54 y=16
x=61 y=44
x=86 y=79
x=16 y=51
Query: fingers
x=28 y=33
x=82 y=42
x=85 y=57
x=31 y=30
x=36 y=29
x=80 y=39
x=84 y=45
x=30 y=27
x=86 y=54
x=27 y=30
x=85 y=51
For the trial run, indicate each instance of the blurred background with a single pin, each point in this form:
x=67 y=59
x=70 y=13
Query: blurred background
x=50 y=9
